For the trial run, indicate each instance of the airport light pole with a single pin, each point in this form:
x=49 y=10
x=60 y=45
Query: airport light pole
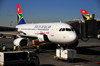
x=10 y=23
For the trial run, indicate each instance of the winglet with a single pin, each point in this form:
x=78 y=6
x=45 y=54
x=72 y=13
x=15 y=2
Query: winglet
x=19 y=15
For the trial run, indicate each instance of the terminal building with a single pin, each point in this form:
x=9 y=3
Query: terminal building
x=3 y=28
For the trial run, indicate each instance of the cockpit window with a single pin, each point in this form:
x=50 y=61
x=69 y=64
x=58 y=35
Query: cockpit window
x=65 y=29
x=60 y=29
x=72 y=29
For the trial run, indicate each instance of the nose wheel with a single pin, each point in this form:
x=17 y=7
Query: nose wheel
x=62 y=46
x=69 y=46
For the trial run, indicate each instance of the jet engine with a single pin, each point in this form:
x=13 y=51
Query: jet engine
x=20 y=42
x=23 y=41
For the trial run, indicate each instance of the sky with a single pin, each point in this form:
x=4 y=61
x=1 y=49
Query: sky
x=39 y=11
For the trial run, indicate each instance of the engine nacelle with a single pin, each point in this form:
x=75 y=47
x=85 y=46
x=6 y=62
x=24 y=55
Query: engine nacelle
x=20 y=42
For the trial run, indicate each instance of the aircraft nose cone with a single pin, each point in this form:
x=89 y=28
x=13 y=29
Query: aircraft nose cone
x=72 y=37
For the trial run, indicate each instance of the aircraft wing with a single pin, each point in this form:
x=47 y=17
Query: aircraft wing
x=34 y=36
x=7 y=33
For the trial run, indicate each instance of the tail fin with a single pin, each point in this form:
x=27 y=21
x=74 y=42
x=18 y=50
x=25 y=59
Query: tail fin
x=19 y=15
x=85 y=14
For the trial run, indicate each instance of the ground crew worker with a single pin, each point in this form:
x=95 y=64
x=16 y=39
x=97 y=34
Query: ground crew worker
x=4 y=48
x=14 y=48
x=37 y=48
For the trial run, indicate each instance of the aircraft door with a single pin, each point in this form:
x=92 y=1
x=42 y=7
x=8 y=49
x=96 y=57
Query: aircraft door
x=52 y=33
x=53 y=30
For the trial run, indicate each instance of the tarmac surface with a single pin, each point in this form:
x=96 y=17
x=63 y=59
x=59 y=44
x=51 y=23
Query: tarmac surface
x=88 y=54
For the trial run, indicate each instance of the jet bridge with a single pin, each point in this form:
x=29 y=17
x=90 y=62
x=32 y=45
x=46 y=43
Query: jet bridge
x=86 y=29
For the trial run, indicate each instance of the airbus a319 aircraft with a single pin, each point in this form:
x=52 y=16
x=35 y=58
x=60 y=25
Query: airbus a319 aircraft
x=59 y=33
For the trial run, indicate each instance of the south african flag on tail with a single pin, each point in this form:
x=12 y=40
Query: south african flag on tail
x=85 y=14
x=19 y=15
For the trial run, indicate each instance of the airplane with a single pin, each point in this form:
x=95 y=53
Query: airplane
x=85 y=14
x=59 y=33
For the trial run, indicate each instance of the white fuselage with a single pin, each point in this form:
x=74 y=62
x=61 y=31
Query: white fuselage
x=60 y=33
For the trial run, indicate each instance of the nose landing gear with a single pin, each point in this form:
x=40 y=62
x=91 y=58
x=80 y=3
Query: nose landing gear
x=69 y=46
